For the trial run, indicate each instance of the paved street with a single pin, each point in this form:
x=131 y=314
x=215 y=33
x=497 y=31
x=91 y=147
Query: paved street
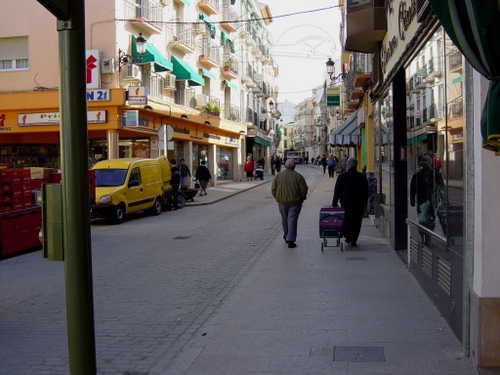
x=213 y=289
x=156 y=281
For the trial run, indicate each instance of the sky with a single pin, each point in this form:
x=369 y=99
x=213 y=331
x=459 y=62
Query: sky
x=302 y=44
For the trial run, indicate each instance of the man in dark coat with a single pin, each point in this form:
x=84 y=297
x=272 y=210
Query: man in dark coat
x=351 y=190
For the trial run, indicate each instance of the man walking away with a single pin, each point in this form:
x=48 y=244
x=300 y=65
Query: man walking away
x=352 y=191
x=175 y=182
x=185 y=173
x=289 y=188
x=343 y=163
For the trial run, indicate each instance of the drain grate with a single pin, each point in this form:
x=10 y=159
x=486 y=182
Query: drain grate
x=355 y=258
x=181 y=237
x=358 y=354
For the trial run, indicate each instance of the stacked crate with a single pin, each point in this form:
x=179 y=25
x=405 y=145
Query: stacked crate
x=15 y=190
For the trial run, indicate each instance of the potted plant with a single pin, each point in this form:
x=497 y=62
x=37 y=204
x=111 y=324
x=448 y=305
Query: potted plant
x=210 y=107
x=216 y=110
x=228 y=63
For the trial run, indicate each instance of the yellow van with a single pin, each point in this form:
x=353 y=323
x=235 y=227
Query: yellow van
x=127 y=185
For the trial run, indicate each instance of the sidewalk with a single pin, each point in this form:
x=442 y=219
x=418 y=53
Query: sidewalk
x=303 y=311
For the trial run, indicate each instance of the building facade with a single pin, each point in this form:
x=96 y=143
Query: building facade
x=205 y=76
x=433 y=178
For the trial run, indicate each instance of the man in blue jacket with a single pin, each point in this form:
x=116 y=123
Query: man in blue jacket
x=351 y=189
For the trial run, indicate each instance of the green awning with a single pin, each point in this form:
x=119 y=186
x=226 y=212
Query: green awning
x=207 y=73
x=226 y=38
x=233 y=2
x=210 y=24
x=457 y=80
x=183 y=71
x=419 y=138
x=262 y=142
x=152 y=55
x=230 y=85
x=185 y=2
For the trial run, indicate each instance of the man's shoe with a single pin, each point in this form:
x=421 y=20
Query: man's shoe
x=291 y=245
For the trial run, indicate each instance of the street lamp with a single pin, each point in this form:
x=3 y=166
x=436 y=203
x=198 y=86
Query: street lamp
x=124 y=59
x=330 y=69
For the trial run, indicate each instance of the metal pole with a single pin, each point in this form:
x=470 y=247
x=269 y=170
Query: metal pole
x=75 y=192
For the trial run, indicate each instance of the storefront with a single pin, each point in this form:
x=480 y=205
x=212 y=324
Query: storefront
x=418 y=157
x=30 y=132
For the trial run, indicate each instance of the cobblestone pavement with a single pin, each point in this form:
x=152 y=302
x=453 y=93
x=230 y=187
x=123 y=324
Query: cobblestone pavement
x=156 y=281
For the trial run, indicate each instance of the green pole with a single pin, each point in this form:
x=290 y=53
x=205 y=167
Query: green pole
x=75 y=192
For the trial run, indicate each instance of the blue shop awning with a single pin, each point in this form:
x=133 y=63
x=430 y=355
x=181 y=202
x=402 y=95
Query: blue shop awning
x=152 y=55
x=348 y=133
x=183 y=71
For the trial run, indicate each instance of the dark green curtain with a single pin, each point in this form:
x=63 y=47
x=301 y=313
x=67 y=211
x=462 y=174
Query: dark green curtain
x=474 y=27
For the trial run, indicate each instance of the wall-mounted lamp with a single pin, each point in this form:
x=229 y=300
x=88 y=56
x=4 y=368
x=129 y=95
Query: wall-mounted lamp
x=185 y=116
x=271 y=105
x=124 y=59
x=330 y=69
x=207 y=123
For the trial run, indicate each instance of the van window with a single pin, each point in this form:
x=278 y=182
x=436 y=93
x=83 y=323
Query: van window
x=110 y=177
x=135 y=177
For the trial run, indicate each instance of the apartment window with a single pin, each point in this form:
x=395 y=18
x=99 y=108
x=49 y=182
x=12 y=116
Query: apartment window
x=14 y=53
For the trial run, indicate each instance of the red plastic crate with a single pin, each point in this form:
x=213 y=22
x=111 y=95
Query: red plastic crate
x=6 y=186
x=17 y=186
x=26 y=175
x=27 y=200
x=55 y=177
x=6 y=175
x=17 y=201
x=17 y=175
x=26 y=186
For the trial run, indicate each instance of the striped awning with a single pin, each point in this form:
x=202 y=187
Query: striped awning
x=348 y=133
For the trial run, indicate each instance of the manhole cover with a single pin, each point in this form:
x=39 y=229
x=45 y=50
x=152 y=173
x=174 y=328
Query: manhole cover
x=355 y=258
x=182 y=237
x=358 y=354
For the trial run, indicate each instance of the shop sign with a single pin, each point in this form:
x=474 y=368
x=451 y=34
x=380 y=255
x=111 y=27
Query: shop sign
x=333 y=96
x=93 y=69
x=54 y=118
x=98 y=95
x=2 y=123
x=130 y=118
x=137 y=95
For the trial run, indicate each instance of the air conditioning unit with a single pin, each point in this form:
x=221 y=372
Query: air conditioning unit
x=202 y=100
x=134 y=73
x=169 y=82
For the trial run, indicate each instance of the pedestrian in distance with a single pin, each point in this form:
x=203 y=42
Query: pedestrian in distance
x=185 y=173
x=249 y=168
x=203 y=176
x=277 y=164
x=351 y=189
x=289 y=188
x=175 y=182
x=331 y=166
x=343 y=163
x=324 y=163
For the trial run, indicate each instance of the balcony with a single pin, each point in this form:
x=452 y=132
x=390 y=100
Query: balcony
x=183 y=39
x=434 y=68
x=456 y=108
x=210 y=54
x=228 y=17
x=356 y=94
x=232 y=112
x=144 y=15
x=229 y=70
x=209 y=7
x=361 y=79
x=366 y=25
x=455 y=61
x=185 y=96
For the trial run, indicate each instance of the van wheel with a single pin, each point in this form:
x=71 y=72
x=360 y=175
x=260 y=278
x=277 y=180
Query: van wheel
x=119 y=216
x=181 y=201
x=157 y=206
